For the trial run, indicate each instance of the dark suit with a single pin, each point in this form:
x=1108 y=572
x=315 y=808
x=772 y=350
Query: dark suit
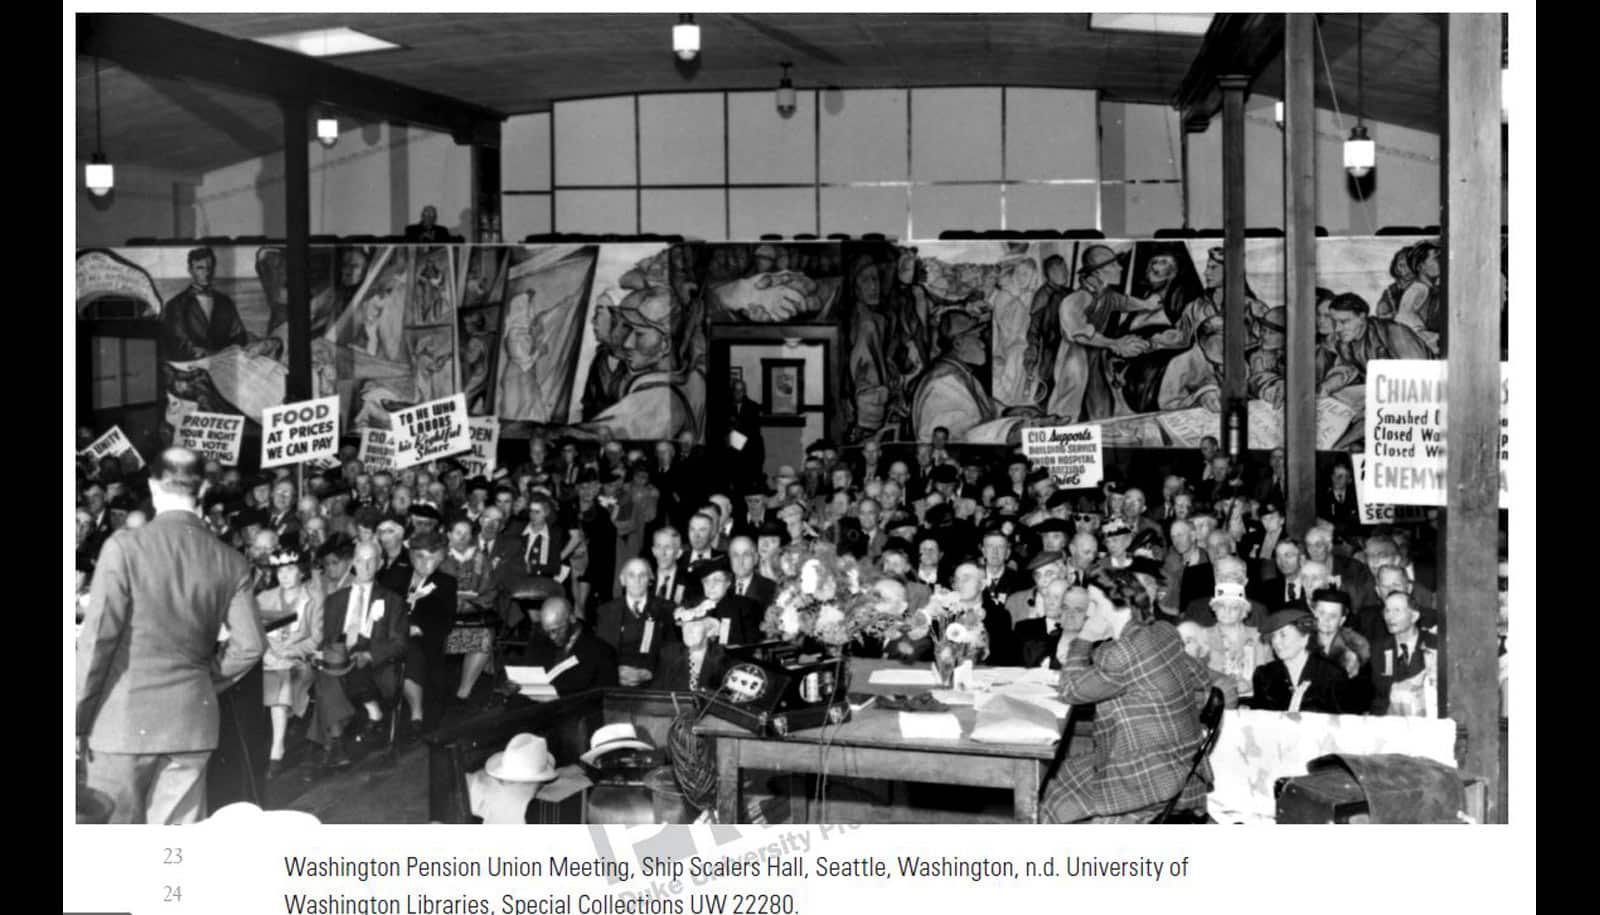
x=617 y=626
x=1387 y=668
x=683 y=589
x=395 y=574
x=1273 y=593
x=672 y=669
x=1010 y=582
x=417 y=232
x=596 y=667
x=435 y=615
x=744 y=617
x=387 y=643
x=1272 y=689
x=187 y=334
x=761 y=589
x=1035 y=643
x=148 y=665
x=745 y=526
x=1002 y=640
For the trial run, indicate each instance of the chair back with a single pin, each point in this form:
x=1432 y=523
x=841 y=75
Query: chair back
x=1211 y=721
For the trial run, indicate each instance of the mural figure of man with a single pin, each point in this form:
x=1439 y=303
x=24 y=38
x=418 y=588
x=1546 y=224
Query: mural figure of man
x=1209 y=303
x=950 y=394
x=200 y=320
x=1421 y=308
x=1359 y=339
x=1194 y=376
x=648 y=398
x=869 y=339
x=524 y=344
x=1083 y=372
x=1044 y=325
x=1010 y=303
x=607 y=370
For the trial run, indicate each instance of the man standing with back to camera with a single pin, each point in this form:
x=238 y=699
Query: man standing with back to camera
x=149 y=664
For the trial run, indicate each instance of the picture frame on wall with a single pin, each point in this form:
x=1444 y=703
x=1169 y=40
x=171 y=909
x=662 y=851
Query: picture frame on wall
x=783 y=386
x=736 y=373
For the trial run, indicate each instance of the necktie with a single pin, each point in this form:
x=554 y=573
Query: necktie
x=665 y=590
x=355 y=614
x=1291 y=592
x=1403 y=656
x=743 y=584
x=637 y=606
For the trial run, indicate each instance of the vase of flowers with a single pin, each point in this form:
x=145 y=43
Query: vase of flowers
x=823 y=600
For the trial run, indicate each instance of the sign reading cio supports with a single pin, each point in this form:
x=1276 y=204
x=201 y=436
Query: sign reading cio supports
x=1406 y=431
x=1072 y=454
x=300 y=431
x=429 y=431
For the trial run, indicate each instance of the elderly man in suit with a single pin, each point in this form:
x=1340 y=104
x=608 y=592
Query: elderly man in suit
x=1147 y=694
x=171 y=620
x=365 y=623
x=747 y=581
x=561 y=643
x=636 y=625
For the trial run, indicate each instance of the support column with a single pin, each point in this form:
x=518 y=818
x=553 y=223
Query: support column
x=1233 y=338
x=485 y=191
x=297 y=235
x=1468 y=600
x=1300 y=263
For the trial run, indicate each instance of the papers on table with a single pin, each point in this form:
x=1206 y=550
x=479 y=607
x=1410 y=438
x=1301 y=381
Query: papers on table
x=1005 y=719
x=954 y=696
x=903 y=676
x=929 y=726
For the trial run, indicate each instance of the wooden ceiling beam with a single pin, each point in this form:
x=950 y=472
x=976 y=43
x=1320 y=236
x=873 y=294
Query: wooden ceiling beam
x=1237 y=44
x=163 y=47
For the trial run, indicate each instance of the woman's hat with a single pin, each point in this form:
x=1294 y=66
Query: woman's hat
x=283 y=558
x=526 y=759
x=1300 y=619
x=611 y=738
x=1229 y=591
x=336 y=660
x=1147 y=565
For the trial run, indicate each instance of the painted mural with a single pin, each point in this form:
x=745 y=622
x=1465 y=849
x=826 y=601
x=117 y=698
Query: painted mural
x=978 y=337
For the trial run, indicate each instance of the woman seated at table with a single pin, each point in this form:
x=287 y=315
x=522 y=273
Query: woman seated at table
x=1235 y=649
x=1147 y=695
x=286 y=676
x=1299 y=680
x=473 y=634
x=697 y=663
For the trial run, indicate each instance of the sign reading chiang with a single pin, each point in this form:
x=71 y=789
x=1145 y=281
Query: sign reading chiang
x=1406 y=426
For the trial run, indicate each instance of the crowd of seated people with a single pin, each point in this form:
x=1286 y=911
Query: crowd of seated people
x=637 y=566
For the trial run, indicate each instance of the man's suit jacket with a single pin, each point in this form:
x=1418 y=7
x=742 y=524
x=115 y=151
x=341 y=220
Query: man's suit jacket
x=609 y=620
x=744 y=526
x=1036 y=644
x=1002 y=640
x=1273 y=594
x=672 y=669
x=1147 y=695
x=761 y=589
x=744 y=617
x=1272 y=690
x=387 y=642
x=395 y=575
x=596 y=667
x=1020 y=606
x=686 y=588
x=526 y=562
x=1010 y=582
x=1387 y=669
x=187 y=334
x=285 y=524
x=148 y=665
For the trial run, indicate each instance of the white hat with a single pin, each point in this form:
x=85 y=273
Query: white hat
x=1229 y=591
x=525 y=759
x=620 y=736
x=244 y=813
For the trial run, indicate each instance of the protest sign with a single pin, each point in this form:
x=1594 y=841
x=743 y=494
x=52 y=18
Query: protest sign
x=1406 y=420
x=485 y=433
x=1072 y=454
x=113 y=444
x=429 y=431
x=377 y=450
x=1371 y=512
x=299 y=431
x=215 y=436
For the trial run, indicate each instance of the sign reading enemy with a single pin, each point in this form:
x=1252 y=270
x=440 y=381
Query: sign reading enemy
x=1072 y=454
x=377 y=450
x=485 y=431
x=300 y=431
x=213 y=436
x=431 y=430
x=113 y=444
x=1406 y=422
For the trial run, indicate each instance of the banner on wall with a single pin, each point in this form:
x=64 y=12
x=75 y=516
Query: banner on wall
x=484 y=433
x=299 y=431
x=377 y=450
x=113 y=444
x=1406 y=424
x=429 y=431
x=216 y=436
x=1072 y=454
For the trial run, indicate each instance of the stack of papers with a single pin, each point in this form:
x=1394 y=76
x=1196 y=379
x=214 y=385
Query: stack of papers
x=1004 y=719
x=903 y=676
x=929 y=726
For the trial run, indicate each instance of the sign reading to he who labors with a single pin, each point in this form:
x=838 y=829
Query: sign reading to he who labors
x=429 y=431
x=300 y=431
x=1072 y=454
x=212 y=436
x=1406 y=421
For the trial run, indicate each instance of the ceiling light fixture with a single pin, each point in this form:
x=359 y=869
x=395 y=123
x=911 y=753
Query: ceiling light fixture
x=686 y=38
x=1360 y=152
x=98 y=175
x=1277 y=113
x=786 y=96
x=327 y=131
x=335 y=42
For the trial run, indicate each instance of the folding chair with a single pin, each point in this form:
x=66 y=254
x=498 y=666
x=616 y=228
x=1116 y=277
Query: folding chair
x=1211 y=720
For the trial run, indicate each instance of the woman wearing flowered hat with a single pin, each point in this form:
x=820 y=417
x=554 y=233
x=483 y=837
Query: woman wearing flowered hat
x=287 y=677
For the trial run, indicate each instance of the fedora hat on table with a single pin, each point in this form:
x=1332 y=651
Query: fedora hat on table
x=525 y=759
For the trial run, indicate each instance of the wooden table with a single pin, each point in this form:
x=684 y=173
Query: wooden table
x=870 y=745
